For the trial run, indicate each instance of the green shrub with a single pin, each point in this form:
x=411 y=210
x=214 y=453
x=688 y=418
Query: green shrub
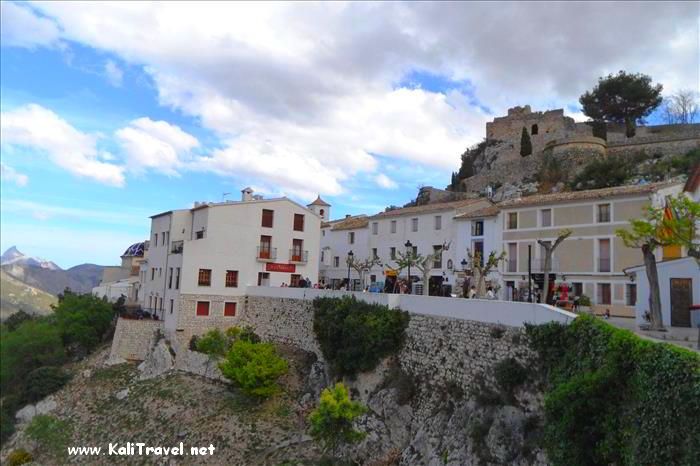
x=52 y=434
x=44 y=381
x=354 y=335
x=244 y=333
x=603 y=173
x=584 y=300
x=16 y=319
x=614 y=398
x=7 y=424
x=213 y=343
x=18 y=457
x=509 y=374
x=83 y=320
x=254 y=367
x=525 y=143
x=35 y=343
x=332 y=421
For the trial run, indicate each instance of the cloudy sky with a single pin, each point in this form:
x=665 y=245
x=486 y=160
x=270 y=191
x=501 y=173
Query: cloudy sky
x=115 y=111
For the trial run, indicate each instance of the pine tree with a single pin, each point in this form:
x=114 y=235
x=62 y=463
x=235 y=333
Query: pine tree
x=525 y=143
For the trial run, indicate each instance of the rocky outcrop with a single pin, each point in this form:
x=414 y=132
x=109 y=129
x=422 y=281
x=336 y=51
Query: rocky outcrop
x=44 y=406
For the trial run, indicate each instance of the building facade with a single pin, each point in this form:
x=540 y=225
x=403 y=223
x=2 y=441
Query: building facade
x=592 y=260
x=200 y=260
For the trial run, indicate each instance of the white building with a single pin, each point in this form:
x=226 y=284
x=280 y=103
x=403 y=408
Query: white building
x=123 y=280
x=478 y=231
x=200 y=259
x=338 y=238
x=679 y=287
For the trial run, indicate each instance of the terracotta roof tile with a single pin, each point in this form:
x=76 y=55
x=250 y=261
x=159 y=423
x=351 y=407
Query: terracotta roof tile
x=422 y=209
x=350 y=223
x=489 y=211
x=320 y=202
x=590 y=194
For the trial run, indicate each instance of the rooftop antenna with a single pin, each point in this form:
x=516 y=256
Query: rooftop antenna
x=223 y=196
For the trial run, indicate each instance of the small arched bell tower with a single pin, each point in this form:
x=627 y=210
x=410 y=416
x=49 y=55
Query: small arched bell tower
x=320 y=208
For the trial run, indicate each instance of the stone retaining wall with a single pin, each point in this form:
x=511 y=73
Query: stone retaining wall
x=133 y=338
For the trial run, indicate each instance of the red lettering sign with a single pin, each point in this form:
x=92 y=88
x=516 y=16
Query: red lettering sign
x=286 y=268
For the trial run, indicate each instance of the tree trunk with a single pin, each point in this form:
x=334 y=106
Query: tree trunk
x=426 y=283
x=630 y=127
x=547 y=267
x=654 y=293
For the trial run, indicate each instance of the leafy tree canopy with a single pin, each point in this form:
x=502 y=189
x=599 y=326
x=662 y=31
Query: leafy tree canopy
x=622 y=98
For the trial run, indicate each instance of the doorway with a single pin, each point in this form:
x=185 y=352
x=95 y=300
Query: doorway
x=681 y=300
x=263 y=279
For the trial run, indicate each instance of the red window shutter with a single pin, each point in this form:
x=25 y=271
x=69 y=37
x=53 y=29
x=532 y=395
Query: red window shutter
x=202 y=308
x=229 y=309
x=298 y=222
x=267 y=216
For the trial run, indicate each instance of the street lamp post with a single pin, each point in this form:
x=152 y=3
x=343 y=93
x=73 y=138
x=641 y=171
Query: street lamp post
x=350 y=256
x=409 y=251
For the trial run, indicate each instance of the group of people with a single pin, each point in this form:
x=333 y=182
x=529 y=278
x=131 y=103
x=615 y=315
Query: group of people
x=306 y=283
x=472 y=294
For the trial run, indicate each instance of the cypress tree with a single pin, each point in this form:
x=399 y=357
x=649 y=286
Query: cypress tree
x=525 y=143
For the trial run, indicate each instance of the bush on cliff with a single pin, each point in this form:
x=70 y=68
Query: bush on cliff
x=254 y=367
x=354 y=335
x=332 y=421
x=613 y=398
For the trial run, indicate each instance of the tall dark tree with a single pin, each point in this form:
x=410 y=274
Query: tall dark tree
x=622 y=98
x=525 y=143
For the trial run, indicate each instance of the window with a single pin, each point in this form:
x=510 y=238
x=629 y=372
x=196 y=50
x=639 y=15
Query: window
x=414 y=224
x=297 y=250
x=265 y=247
x=393 y=226
x=577 y=288
x=229 y=309
x=321 y=212
x=336 y=261
x=604 y=293
x=155 y=240
x=478 y=248
x=199 y=234
x=294 y=280
x=438 y=222
x=414 y=251
x=375 y=228
x=631 y=294
x=351 y=237
x=512 y=220
x=603 y=255
x=153 y=273
x=150 y=302
x=177 y=278
x=172 y=305
x=204 y=278
x=298 y=222
x=392 y=253
x=323 y=233
x=477 y=228
x=160 y=272
x=512 y=257
x=437 y=263
x=603 y=213
x=267 y=217
x=546 y=217
x=323 y=256
x=170 y=278
x=534 y=130
x=374 y=253
x=165 y=237
x=202 y=308
x=263 y=279
x=231 y=278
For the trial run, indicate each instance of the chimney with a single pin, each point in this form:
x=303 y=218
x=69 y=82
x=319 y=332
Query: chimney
x=348 y=215
x=246 y=194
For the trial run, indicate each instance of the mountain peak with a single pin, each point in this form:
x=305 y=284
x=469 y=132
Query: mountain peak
x=14 y=256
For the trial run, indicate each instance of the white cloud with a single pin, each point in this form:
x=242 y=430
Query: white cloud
x=113 y=73
x=20 y=27
x=11 y=175
x=39 y=128
x=43 y=211
x=385 y=182
x=155 y=145
x=304 y=98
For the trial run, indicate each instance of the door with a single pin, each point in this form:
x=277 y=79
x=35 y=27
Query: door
x=263 y=279
x=681 y=300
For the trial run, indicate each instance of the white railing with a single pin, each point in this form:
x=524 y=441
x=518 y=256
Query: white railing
x=511 y=313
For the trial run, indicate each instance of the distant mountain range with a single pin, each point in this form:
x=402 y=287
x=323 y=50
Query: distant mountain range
x=15 y=295
x=47 y=276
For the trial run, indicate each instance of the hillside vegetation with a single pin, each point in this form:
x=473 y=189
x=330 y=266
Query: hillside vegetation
x=15 y=296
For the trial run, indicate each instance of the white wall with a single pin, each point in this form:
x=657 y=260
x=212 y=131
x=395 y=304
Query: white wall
x=681 y=268
x=497 y=312
x=335 y=243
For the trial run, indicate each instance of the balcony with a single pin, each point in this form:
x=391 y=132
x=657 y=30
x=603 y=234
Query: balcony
x=603 y=265
x=298 y=256
x=176 y=247
x=266 y=254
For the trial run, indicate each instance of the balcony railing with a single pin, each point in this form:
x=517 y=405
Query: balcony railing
x=266 y=253
x=603 y=265
x=176 y=247
x=296 y=255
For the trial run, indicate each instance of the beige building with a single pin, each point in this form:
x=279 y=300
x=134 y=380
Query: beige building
x=591 y=261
